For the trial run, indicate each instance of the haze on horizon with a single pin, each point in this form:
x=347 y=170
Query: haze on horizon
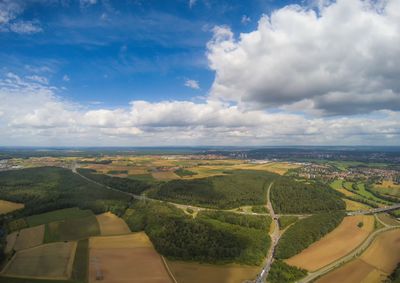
x=199 y=72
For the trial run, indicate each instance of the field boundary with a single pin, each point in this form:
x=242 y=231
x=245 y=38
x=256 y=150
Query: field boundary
x=168 y=270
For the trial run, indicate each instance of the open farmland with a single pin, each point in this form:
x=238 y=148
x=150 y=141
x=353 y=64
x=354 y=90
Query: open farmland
x=379 y=260
x=8 y=206
x=57 y=215
x=187 y=272
x=53 y=261
x=110 y=224
x=336 y=244
x=29 y=237
x=388 y=188
x=352 y=205
x=10 y=241
x=128 y=258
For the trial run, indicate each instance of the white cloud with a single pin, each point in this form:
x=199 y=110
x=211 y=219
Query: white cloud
x=25 y=27
x=192 y=3
x=349 y=48
x=245 y=20
x=86 y=3
x=39 y=79
x=66 y=78
x=192 y=84
x=33 y=114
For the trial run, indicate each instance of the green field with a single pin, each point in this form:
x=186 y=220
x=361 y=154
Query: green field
x=285 y=221
x=57 y=215
x=72 y=229
x=81 y=262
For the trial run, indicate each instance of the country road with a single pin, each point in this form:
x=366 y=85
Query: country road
x=361 y=248
x=274 y=240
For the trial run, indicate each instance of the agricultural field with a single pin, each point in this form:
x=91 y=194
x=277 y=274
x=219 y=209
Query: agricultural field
x=374 y=265
x=126 y=258
x=29 y=237
x=388 y=219
x=338 y=186
x=8 y=206
x=388 y=188
x=110 y=224
x=57 y=215
x=188 y=272
x=336 y=244
x=352 y=205
x=52 y=261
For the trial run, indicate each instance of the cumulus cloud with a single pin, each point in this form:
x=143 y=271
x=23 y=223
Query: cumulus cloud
x=192 y=84
x=31 y=113
x=340 y=58
x=9 y=11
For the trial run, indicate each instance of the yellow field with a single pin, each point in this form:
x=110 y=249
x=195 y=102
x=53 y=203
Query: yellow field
x=336 y=244
x=186 y=272
x=29 y=237
x=8 y=206
x=354 y=205
x=128 y=258
x=11 y=239
x=388 y=184
x=379 y=260
x=50 y=261
x=110 y=224
x=164 y=175
x=275 y=167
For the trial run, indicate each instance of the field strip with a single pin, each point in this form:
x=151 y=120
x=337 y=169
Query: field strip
x=70 y=264
x=353 y=254
x=168 y=270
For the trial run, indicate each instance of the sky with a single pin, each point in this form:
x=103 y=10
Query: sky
x=199 y=72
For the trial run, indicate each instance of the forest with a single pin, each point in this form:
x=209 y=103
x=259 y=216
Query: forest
x=305 y=232
x=282 y=273
x=123 y=184
x=306 y=197
x=204 y=239
x=235 y=189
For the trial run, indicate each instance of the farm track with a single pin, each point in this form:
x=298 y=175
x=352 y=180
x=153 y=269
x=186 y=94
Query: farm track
x=352 y=255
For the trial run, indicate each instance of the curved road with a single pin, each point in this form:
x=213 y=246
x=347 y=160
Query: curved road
x=274 y=240
x=361 y=248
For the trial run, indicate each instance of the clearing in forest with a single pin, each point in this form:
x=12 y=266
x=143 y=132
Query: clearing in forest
x=336 y=244
x=50 y=261
x=110 y=224
x=127 y=258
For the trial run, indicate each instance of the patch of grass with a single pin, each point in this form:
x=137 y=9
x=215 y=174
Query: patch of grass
x=183 y=172
x=259 y=209
x=285 y=221
x=57 y=215
x=81 y=261
x=72 y=229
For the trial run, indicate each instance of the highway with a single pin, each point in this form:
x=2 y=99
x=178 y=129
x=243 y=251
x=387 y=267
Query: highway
x=375 y=210
x=274 y=241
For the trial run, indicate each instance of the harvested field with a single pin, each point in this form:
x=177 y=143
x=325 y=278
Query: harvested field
x=352 y=205
x=8 y=206
x=274 y=167
x=29 y=237
x=384 y=253
x=388 y=187
x=110 y=224
x=336 y=244
x=11 y=239
x=128 y=258
x=355 y=271
x=53 y=261
x=187 y=272
x=388 y=219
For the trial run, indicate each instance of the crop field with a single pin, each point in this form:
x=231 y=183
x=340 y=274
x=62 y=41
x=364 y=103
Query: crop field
x=110 y=224
x=72 y=229
x=8 y=206
x=187 y=272
x=29 y=237
x=53 y=261
x=386 y=218
x=352 y=205
x=388 y=188
x=10 y=240
x=57 y=215
x=379 y=260
x=338 y=186
x=127 y=258
x=164 y=175
x=335 y=244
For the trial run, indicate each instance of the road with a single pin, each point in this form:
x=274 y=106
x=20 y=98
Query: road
x=274 y=240
x=361 y=248
x=375 y=210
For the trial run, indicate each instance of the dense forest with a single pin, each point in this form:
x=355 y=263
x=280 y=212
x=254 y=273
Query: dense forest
x=291 y=196
x=305 y=232
x=282 y=273
x=204 y=239
x=123 y=184
x=228 y=191
x=50 y=188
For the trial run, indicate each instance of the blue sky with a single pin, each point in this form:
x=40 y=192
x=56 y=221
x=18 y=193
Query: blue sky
x=117 y=51
x=186 y=72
